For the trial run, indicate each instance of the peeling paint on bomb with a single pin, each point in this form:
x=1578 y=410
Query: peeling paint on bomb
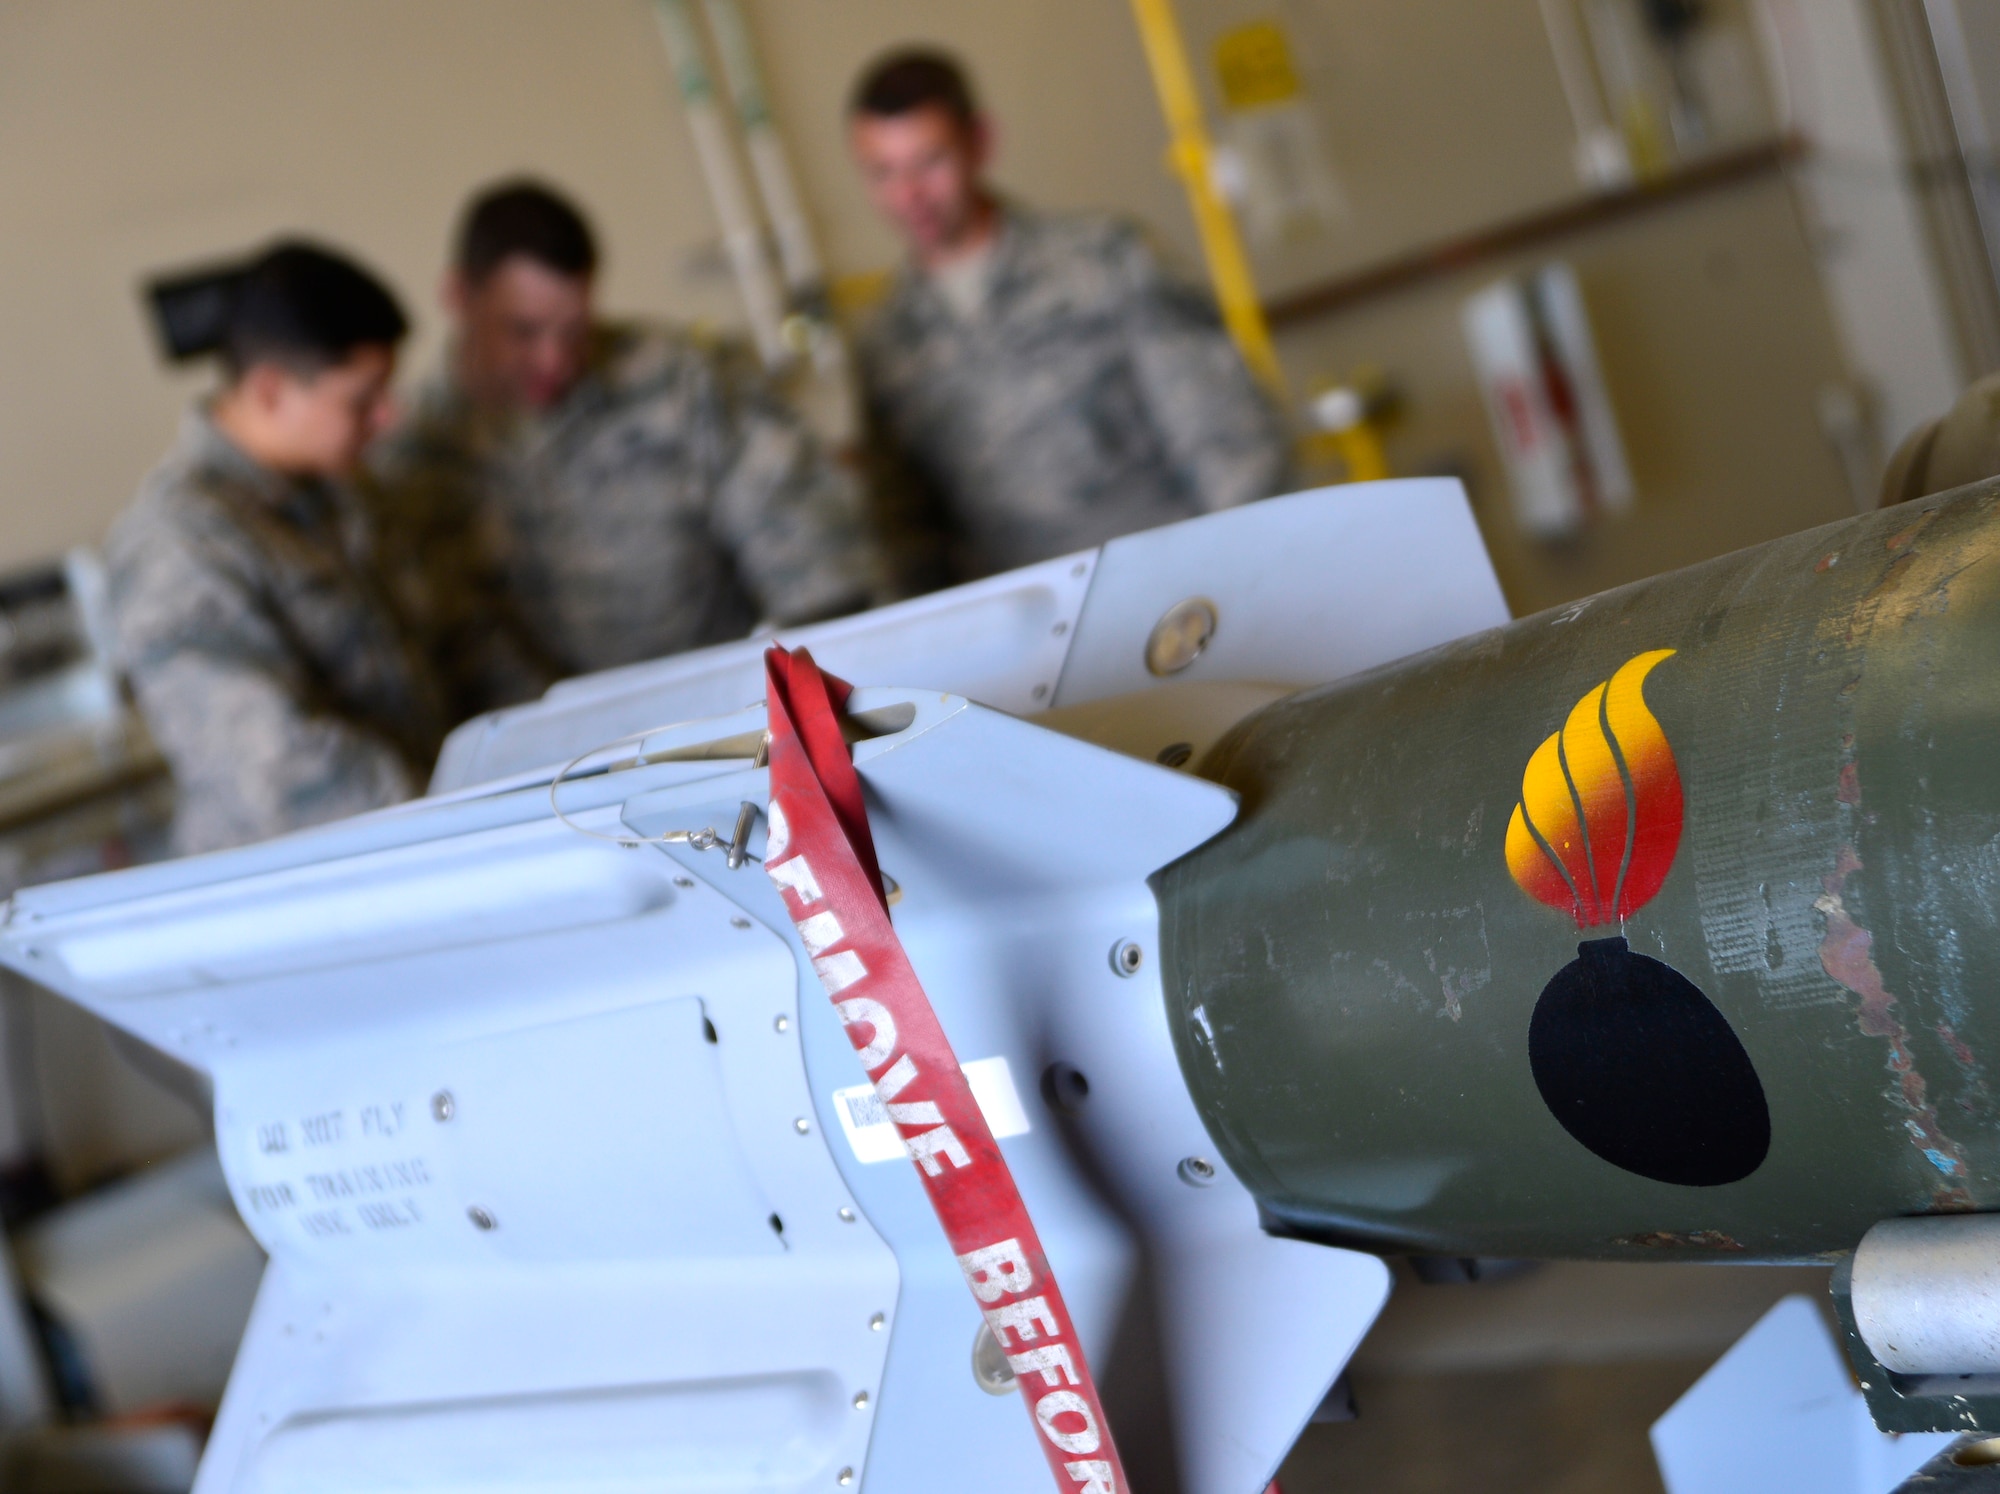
x=1847 y=954
x=1961 y=1052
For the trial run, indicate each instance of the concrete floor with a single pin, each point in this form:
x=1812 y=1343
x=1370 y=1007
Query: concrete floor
x=1540 y=1384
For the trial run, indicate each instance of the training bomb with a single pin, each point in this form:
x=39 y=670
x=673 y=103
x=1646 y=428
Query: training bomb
x=1663 y=924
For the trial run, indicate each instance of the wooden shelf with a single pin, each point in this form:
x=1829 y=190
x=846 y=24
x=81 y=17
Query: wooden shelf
x=1432 y=262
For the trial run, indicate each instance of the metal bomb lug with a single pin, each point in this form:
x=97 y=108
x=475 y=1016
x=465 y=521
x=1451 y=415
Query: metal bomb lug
x=1664 y=924
x=1926 y=1295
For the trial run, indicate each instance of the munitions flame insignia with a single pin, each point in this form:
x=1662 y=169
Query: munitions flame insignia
x=1600 y=812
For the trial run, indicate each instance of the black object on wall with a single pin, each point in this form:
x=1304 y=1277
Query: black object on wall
x=189 y=308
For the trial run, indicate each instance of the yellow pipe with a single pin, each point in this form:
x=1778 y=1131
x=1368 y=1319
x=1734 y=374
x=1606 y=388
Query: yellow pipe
x=1358 y=449
x=1191 y=156
x=1361 y=450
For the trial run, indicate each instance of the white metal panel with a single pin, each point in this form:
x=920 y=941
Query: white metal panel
x=1306 y=589
x=1780 y=1414
x=1000 y=641
x=660 y=1229
x=1022 y=857
x=373 y=1157
x=534 y=1259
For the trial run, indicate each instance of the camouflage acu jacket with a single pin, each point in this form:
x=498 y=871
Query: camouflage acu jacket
x=668 y=502
x=1093 y=394
x=265 y=658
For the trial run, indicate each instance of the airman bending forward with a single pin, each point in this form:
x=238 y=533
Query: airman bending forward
x=266 y=660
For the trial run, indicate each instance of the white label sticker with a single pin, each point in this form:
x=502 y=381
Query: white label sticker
x=873 y=1136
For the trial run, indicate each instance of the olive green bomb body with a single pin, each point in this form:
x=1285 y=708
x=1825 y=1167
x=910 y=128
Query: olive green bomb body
x=1479 y=971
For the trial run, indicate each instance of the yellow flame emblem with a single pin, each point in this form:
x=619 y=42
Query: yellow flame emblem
x=1600 y=813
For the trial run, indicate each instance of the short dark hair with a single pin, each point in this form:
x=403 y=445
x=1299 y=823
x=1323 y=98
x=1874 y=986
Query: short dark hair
x=307 y=308
x=912 y=78
x=526 y=218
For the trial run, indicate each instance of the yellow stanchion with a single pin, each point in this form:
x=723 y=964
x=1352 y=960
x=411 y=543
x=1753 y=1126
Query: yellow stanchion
x=1191 y=156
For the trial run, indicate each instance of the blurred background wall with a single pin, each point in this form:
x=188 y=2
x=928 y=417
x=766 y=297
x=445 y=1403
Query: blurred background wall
x=1771 y=315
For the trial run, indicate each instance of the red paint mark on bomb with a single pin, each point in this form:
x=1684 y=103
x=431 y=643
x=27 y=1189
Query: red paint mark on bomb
x=1960 y=1052
x=1847 y=953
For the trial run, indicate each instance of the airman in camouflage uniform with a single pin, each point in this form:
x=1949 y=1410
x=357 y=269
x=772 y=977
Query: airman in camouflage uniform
x=1035 y=384
x=664 y=502
x=570 y=496
x=265 y=659
x=1090 y=394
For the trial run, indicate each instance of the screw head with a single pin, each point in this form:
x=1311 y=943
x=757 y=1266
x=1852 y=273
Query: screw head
x=1175 y=754
x=443 y=1106
x=1196 y=1172
x=861 y=1400
x=877 y=1322
x=481 y=1219
x=781 y=1023
x=990 y=1369
x=844 y=1477
x=739 y=922
x=1127 y=957
x=802 y=1126
x=684 y=883
x=1040 y=692
x=847 y=1215
x=1059 y=629
x=1180 y=636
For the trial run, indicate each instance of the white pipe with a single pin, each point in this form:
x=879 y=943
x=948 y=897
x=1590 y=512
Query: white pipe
x=797 y=253
x=1600 y=156
x=826 y=398
x=742 y=236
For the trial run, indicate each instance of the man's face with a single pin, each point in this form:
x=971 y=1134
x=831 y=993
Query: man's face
x=922 y=171
x=319 y=424
x=523 y=333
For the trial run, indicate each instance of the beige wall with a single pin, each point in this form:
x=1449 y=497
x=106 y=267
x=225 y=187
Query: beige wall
x=142 y=134
x=1714 y=342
